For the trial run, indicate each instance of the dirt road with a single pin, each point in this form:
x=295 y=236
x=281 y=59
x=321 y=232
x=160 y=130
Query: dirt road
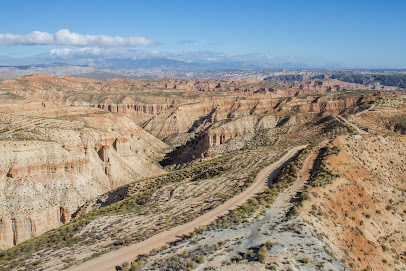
x=360 y=131
x=108 y=261
x=275 y=216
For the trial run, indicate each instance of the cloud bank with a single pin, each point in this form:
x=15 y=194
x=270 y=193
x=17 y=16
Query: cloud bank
x=91 y=52
x=124 y=53
x=65 y=37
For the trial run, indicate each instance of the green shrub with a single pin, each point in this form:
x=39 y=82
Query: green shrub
x=184 y=253
x=69 y=259
x=96 y=254
x=304 y=196
x=190 y=264
x=136 y=266
x=200 y=259
x=262 y=254
x=269 y=244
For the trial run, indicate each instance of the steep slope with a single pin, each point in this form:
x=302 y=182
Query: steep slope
x=363 y=212
x=65 y=162
x=179 y=124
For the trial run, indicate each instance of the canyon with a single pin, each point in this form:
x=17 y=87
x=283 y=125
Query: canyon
x=81 y=155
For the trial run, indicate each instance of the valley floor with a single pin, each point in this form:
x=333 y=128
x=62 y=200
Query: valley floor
x=291 y=239
x=127 y=254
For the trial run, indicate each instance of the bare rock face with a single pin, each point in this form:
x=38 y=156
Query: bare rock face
x=36 y=187
x=178 y=120
x=44 y=182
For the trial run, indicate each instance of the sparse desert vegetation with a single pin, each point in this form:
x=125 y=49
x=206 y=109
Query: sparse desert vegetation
x=95 y=172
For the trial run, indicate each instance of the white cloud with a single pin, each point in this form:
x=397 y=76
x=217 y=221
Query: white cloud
x=123 y=53
x=89 y=52
x=33 y=38
x=205 y=56
x=65 y=37
x=67 y=52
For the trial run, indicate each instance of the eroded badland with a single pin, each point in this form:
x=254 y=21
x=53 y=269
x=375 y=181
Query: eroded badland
x=252 y=174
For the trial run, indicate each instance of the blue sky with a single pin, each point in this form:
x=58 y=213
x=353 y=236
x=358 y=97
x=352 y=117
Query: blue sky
x=357 y=33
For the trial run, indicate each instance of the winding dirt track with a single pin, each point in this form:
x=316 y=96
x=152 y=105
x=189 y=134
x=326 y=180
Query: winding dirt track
x=108 y=261
x=360 y=131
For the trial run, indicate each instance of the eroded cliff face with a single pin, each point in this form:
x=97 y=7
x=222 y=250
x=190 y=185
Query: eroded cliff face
x=67 y=140
x=43 y=182
x=47 y=83
x=174 y=126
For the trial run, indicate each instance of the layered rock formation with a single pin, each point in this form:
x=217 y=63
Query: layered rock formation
x=44 y=181
x=40 y=84
x=67 y=140
x=180 y=119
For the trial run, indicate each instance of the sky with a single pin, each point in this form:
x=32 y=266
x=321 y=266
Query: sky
x=350 y=34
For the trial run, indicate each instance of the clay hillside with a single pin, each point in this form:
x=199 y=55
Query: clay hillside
x=205 y=174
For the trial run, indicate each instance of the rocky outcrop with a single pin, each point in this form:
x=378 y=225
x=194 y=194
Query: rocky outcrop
x=223 y=131
x=44 y=182
x=150 y=109
x=180 y=119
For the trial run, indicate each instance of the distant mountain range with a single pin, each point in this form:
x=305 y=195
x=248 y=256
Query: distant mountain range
x=159 y=63
x=147 y=68
x=165 y=63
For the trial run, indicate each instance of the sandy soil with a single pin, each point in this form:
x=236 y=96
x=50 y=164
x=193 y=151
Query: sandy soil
x=293 y=239
x=127 y=254
x=363 y=211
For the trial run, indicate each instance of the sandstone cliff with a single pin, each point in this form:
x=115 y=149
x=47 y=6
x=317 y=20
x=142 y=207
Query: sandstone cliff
x=179 y=120
x=44 y=181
